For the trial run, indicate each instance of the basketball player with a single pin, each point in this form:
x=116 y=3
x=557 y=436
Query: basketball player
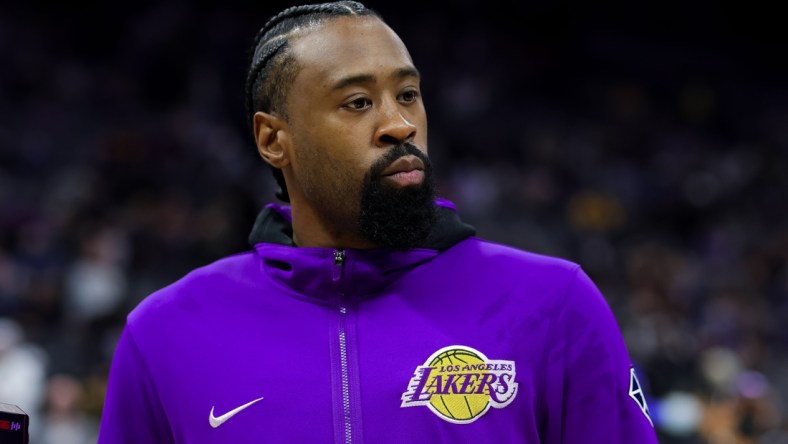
x=366 y=311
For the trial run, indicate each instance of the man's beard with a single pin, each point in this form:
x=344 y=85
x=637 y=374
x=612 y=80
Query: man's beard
x=397 y=216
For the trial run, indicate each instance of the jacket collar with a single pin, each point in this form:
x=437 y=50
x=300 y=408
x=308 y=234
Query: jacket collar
x=314 y=274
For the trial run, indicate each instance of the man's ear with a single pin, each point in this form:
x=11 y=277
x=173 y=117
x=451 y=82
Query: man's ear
x=273 y=139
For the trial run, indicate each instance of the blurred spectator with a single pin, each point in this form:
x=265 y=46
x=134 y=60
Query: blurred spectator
x=22 y=369
x=64 y=420
x=96 y=282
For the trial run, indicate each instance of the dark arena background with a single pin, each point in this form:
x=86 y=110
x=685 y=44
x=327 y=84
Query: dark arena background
x=647 y=142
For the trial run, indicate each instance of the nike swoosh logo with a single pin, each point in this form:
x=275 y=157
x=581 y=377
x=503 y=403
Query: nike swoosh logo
x=216 y=422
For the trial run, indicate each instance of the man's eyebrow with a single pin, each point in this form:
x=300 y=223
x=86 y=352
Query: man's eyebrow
x=353 y=80
x=409 y=71
x=369 y=78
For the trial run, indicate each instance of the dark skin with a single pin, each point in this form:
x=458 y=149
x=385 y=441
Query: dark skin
x=355 y=96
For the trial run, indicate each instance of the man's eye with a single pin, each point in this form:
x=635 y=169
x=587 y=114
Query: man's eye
x=359 y=103
x=409 y=96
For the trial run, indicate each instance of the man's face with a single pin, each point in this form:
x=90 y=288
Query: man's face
x=355 y=99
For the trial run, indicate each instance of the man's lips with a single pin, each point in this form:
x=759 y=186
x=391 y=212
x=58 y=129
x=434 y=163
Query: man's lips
x=404 y=164
x=407 y=170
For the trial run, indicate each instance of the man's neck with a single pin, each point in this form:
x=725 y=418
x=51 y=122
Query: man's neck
x=310 y=230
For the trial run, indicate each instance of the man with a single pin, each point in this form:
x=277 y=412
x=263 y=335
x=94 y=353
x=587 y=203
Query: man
x=366 y=312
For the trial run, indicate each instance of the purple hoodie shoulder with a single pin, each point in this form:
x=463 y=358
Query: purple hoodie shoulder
x=589 y=389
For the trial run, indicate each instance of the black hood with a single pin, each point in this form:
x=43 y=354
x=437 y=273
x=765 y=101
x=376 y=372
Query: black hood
x=273 y=226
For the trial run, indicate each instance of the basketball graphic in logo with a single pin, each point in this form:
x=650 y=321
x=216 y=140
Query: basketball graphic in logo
x=462 y=407
x=459 y=384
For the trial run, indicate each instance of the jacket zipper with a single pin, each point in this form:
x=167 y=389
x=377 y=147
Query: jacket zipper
x=339 y=262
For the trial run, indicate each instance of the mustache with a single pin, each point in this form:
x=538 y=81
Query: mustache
x=394 y=153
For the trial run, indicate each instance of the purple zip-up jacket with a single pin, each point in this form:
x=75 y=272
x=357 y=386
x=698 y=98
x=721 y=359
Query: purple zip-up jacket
x=461 y=341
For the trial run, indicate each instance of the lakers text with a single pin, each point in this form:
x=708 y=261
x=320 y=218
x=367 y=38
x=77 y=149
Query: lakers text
x=459 y=384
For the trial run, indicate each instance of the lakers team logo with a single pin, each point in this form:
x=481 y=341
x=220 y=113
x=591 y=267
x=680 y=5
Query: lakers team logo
x=459 y=384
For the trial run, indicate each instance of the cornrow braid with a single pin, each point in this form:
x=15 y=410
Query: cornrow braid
x=273 y=68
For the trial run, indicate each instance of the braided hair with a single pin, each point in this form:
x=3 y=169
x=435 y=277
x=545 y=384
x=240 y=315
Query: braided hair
x=273 y=67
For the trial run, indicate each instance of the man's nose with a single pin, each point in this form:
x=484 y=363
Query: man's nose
x=394 y=129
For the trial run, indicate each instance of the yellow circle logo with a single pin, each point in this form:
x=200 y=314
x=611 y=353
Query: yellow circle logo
x=459 y=384
x=461 y=407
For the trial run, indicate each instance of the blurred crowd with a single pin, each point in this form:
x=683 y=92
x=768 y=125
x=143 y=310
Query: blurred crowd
x=655 y=159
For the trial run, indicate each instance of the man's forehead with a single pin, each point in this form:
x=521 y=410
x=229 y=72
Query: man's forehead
x=350 y=44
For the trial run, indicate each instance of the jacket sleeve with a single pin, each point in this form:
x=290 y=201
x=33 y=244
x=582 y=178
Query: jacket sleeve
x=592 y=391
x=132 y=411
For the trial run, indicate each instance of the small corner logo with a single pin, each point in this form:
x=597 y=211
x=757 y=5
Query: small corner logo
x=216 y=422
x=459 y=384
x=10 y=425
x=636 y=393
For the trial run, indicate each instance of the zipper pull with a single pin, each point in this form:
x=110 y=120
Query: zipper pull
x=339 y=261
x=339 y=257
